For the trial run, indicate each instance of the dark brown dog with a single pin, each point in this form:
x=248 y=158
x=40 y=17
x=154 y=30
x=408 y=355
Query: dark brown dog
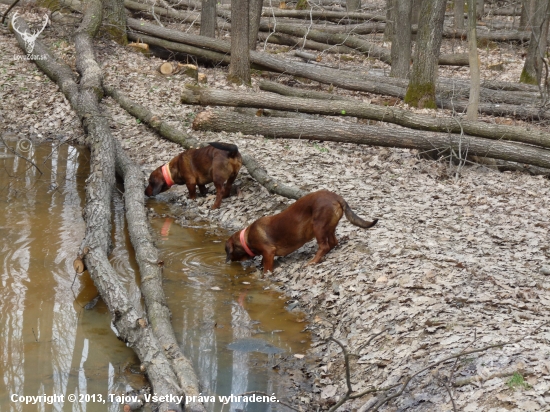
x=218 y=162
x=313 y=216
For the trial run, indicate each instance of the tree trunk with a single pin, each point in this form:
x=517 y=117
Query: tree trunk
x=130 y=325
x=401 y=44
x=239 y=68
x=459 y=14
x=208 y=18
x=421 y=90
x=532 y=69
x=415 y=15
x=473 y=103
x=174 y=135
x=389 y=31
x=255 y=16
x=326 y=130
x=353 y=5
x=115 y=19
x=354 y=108
x=527 y=14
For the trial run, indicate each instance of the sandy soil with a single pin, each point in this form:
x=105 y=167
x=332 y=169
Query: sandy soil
x=453 y=264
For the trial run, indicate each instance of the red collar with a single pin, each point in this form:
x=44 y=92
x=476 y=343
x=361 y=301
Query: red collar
x=244 y=245
x=167 y=175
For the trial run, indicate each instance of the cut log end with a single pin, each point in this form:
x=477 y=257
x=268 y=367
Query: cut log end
x=201 y=119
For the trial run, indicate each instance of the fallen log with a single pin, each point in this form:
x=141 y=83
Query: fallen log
x=326 y=130
x=171 y=133
x=131 y=326
x=286 y=40
x=354 y=108
x=209 y=55
x=296 y=92
x=368 y=48
x=321 y=14
x=352 y=81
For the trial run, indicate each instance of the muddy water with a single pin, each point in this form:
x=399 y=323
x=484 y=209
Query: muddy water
x=49 y=344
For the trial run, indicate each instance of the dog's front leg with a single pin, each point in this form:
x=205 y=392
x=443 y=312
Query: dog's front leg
x=192 y=187
x=268 y=261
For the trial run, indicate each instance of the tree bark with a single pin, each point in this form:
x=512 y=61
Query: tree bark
x=401 y=44
x=527 y=13
x=239 y=67
x=127 y=320
x=171 y=133
x=389 y=31
x=326 y=130
x=473 y=103
x=353 y=5
x=416 y=6
x=115 y=19
x=354 y=108
x=459 y=14
x=532 y=69
x=208 y=18
x=255 y=16
x=421 y=90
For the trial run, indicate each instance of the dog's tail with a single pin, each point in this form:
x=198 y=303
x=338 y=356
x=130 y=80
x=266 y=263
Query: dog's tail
x=353 y=218
x=228 y=147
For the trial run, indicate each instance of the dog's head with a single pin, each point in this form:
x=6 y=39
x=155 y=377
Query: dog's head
x=234 y=252
x=157 y=184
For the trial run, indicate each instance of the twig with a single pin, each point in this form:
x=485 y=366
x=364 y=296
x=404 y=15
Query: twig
x=8 y=10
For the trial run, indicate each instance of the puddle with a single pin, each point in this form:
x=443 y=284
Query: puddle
x=227 y=322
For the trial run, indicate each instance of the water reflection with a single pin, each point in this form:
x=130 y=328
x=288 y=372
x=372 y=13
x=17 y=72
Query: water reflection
x=50 y=345
x=214 y=304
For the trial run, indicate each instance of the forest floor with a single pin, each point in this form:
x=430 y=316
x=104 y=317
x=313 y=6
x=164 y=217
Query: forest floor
x=453 y=264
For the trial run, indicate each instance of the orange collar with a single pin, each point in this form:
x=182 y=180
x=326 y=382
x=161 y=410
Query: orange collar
x=244 y=245
x=167 y=175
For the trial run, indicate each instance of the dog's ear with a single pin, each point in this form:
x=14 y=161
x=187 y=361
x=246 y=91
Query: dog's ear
x=229 y=250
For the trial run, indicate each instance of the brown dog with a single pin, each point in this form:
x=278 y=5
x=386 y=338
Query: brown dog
x=315 y=215
x=218 y=162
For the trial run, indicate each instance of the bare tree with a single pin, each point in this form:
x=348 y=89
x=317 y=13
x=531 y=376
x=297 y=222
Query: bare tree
x=532 y=69
x=473 y=104
x=115 y=20
x=353 y=5
x=255 y=15
x=401 y=44
x=421 y=90
x=389 y=30
x=208 y=18
x=239 y=66
x=459 y=14
x=527 y=12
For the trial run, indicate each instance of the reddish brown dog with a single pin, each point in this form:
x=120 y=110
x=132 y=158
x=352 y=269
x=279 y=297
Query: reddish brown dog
x=313 y=216
x=218 y=162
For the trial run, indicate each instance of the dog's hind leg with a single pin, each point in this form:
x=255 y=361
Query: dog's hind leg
x=219 y=192
x=228 y=184
x=324 y=241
